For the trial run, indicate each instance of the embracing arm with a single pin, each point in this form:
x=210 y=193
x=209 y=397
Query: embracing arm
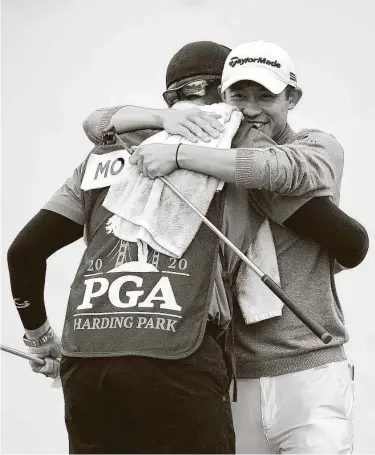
x=321 y=220
x=308 y=168
x=313 y=162
x=98 y=121
x=123 y=118
x=193 y=124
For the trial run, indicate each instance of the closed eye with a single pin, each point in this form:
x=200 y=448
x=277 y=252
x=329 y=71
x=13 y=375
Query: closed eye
x=237 y=96
x=267 y=96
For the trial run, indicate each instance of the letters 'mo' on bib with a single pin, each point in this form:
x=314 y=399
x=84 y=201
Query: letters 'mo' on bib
x=128 y=299
x=104 y=170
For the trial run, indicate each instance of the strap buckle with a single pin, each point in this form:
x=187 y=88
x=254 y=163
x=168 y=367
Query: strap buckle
x=108 y=136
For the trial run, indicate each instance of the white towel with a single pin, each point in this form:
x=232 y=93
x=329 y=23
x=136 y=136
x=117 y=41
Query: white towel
x=256 y=300
x=147 y=210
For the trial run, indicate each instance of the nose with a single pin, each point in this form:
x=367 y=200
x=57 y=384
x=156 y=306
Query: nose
x=251 y=110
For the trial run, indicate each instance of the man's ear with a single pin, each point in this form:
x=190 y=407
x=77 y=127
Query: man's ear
x=294 y=97
x=221 y=94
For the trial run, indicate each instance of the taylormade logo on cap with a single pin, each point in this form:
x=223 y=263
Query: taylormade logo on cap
x=236 y=60
x=262 y=62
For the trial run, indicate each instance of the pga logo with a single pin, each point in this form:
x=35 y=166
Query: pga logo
x=162 y=293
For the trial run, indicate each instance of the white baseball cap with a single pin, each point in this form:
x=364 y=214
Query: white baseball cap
x=260 y=61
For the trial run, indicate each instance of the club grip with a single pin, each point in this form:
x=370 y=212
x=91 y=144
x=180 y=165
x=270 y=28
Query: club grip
x=314 y=326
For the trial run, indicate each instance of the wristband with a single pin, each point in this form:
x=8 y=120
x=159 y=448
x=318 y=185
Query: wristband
x=41 y=340
x=178 y=166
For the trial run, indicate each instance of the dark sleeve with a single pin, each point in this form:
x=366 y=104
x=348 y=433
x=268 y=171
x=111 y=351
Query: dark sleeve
x=45 y=234
x=321 y=220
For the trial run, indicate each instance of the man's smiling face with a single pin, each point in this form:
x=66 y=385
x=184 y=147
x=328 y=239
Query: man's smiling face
x=261 y=108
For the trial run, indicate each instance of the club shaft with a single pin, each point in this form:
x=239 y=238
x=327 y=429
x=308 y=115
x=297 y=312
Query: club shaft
x=314 y=326
x=203 y=218
x=25 y=355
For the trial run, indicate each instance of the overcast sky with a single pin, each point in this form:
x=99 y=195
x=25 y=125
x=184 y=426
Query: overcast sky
x=63 y=59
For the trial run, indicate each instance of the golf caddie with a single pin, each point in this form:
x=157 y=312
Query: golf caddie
x=143 y=366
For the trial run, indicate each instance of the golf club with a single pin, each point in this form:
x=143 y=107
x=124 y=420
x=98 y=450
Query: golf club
x=314 y=326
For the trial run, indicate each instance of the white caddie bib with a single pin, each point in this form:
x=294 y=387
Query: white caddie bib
x=105 y=170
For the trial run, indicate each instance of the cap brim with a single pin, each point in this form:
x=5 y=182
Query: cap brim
x=260 y=75
x=180 y=84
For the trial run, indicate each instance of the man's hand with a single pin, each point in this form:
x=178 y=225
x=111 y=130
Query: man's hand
x=250 y=137
x=260 y=139
x=192 y=124
x=50 y=353
x=155 y=160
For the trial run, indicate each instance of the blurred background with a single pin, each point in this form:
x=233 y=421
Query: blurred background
x=63 y=59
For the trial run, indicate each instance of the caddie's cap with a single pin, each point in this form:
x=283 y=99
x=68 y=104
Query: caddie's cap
x=200 y=58
x=260 y=61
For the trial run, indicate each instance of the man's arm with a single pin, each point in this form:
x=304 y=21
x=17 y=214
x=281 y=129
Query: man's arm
x=46 y=233
x=58 y=224
x=98 y=121
x=321 y=220
x=193 y=124
x=315 y=218
x=43 y=235
x=313 y=163
x=345 y=239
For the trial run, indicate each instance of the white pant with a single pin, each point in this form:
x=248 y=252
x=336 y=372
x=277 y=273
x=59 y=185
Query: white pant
x=305 y=412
